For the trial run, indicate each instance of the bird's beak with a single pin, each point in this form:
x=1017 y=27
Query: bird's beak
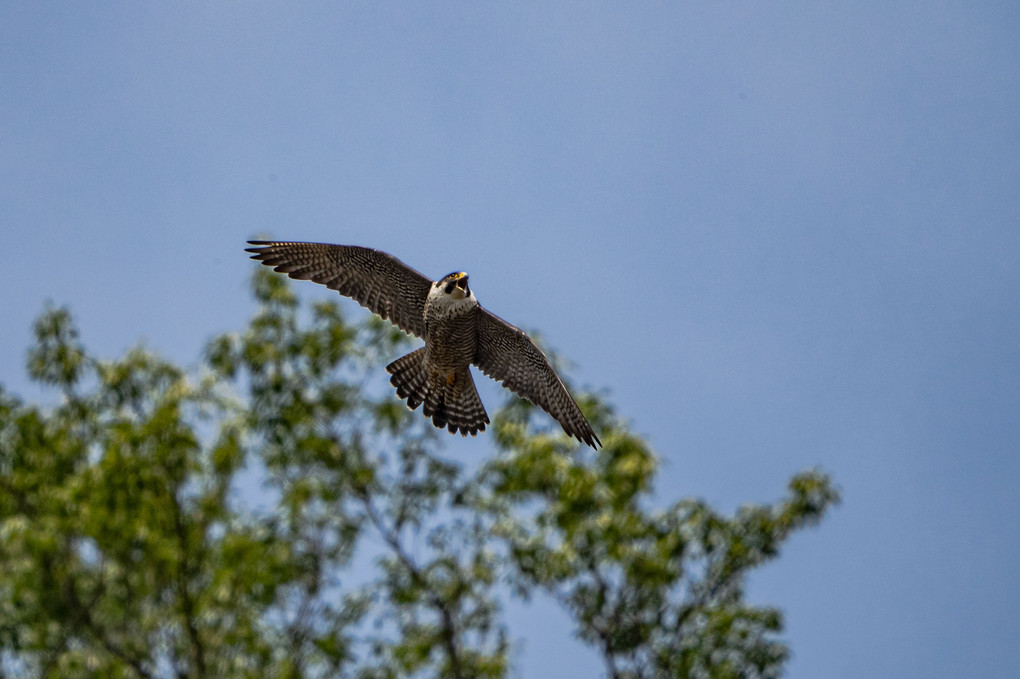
x=462 y=282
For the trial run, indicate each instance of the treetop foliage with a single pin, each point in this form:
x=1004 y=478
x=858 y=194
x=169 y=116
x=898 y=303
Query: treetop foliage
x=131 y=544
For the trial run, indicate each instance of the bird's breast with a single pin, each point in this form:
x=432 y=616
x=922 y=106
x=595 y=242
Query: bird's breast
x=450 y=341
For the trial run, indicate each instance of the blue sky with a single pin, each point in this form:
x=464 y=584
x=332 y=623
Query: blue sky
x=780 y=235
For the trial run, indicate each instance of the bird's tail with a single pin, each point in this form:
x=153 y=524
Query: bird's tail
x=455 y=406
x=410 y=378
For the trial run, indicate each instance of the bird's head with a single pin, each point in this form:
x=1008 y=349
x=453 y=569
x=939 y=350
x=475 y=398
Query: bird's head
x=455 y=285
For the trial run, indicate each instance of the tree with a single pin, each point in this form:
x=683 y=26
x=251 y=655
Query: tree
x=128 y=550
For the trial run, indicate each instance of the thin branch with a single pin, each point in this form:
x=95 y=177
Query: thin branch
x=182 y=575
x=449 y=629
x=83 y=618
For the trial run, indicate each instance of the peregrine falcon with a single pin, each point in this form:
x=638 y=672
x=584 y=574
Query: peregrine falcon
x=457 y=331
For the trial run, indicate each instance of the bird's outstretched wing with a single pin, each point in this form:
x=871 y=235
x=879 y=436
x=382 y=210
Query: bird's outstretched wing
x=374 y=279
x=506 y=354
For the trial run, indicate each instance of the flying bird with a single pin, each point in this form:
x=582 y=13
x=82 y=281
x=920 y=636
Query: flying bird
x=457 y=330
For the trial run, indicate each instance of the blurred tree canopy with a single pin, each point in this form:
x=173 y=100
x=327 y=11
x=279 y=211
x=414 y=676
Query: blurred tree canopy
x=128 y=548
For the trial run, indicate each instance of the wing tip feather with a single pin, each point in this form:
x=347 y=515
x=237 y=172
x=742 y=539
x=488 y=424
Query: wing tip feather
x=587 y=436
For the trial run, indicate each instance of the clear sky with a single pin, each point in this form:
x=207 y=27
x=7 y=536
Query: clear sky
x=779 y=235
